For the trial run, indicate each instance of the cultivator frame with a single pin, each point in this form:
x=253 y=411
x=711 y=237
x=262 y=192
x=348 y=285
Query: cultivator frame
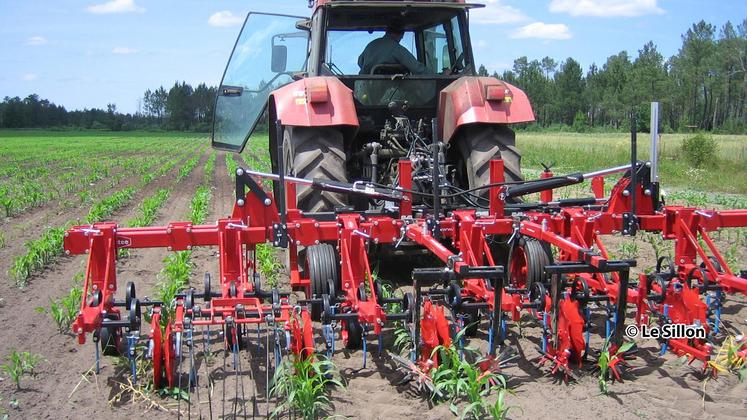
x=556 y=291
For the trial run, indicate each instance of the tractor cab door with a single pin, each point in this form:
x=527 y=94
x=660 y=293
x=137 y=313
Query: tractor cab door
x=269 y=50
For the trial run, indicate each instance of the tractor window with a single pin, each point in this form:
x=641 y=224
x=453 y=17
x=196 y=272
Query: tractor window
x=443 y=46
x=344 y=48
x=268 y=51
x=436 y=49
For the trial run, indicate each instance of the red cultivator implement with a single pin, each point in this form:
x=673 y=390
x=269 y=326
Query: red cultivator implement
x=330 y=258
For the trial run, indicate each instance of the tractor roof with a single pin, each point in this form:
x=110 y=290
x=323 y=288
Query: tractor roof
x=396 y=3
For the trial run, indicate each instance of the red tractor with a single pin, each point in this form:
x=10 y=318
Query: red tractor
x=330 y=120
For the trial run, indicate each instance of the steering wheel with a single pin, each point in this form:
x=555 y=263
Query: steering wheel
x=390 y=69
x=458 y=66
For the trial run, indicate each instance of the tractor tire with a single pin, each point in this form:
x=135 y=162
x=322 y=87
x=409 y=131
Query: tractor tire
x=323 y=270
x=315 y=152
x=527 y=262
x=479 y=144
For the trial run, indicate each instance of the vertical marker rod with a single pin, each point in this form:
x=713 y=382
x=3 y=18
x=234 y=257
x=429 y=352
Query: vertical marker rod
x=654 y=158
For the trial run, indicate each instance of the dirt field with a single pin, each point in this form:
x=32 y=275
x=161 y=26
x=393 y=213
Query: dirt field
x=65 y=387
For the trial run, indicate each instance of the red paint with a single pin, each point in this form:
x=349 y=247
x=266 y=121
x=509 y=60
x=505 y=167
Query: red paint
x=464 y=102
x=315 y=102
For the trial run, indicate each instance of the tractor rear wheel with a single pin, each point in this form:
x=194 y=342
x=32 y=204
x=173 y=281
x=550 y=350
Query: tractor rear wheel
x=479 y=144
x=315 y=152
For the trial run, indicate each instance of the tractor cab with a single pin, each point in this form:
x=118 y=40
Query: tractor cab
x=435 y=34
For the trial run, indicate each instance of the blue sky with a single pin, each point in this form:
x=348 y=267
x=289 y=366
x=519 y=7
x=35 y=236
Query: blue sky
x=87 y=53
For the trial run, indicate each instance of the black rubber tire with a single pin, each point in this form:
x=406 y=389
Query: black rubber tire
x=355 y=334
x=109 y=339
x=315 y=152
x=538 y=255
x=321 y=263
x=479 y=144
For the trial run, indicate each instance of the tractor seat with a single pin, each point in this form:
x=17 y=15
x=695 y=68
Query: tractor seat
x=389 y=69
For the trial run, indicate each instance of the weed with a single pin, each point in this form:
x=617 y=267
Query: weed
x=301 y=384
x=20 y=364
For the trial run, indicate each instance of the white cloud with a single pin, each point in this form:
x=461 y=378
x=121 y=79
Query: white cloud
x=543 y=30
x=30 y=77
x=225 y=18
x=36 y=40
x=606 y=8
x=115 y=6
x=495 y=12
x=124 y=50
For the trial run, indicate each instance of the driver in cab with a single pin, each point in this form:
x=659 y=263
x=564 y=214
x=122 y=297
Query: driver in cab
x=387 y=50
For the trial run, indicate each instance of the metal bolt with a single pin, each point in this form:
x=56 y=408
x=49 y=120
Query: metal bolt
x=376 y=240
x=169 y=248
x=189 y=230
x=298 y=242
x=189 y=246
x=67 y=252
x=240 y=202
x=647 y=192
x=268 y=201
x=111 y=286
x=298 y=225
x=168 y=231
x=316 y=241
x=626 y=193
x=394 y=222
x=239 y=171
x=67 y=234
x=394 y=238
x=316 y=224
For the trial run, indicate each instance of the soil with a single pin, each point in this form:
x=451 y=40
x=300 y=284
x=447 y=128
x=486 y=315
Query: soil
x=65 y=387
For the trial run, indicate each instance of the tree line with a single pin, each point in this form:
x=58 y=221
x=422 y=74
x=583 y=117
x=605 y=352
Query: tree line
x=180 y=108
x=703 y=86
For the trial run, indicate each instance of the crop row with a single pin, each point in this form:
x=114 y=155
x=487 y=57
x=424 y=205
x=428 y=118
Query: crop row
x=178 y=266
x=47 y=249
x=64 y=309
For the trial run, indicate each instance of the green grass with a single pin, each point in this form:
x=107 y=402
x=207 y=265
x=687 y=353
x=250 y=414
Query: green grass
x=583 y=152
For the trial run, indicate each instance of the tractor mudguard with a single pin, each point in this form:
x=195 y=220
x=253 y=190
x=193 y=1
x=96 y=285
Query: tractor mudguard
x=314 y=102
x=471 y=100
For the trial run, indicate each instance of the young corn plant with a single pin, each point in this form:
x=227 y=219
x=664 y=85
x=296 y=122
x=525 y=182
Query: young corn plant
x=499 y=410
x=19 y=364
x=628 y=250
x=302 y=384
x=199 y=206
x=731 y=357
x=64 y=310
x=607 y=361
x=268 y=264
x=173 y=278
x=209 y=168
x=456 y=379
